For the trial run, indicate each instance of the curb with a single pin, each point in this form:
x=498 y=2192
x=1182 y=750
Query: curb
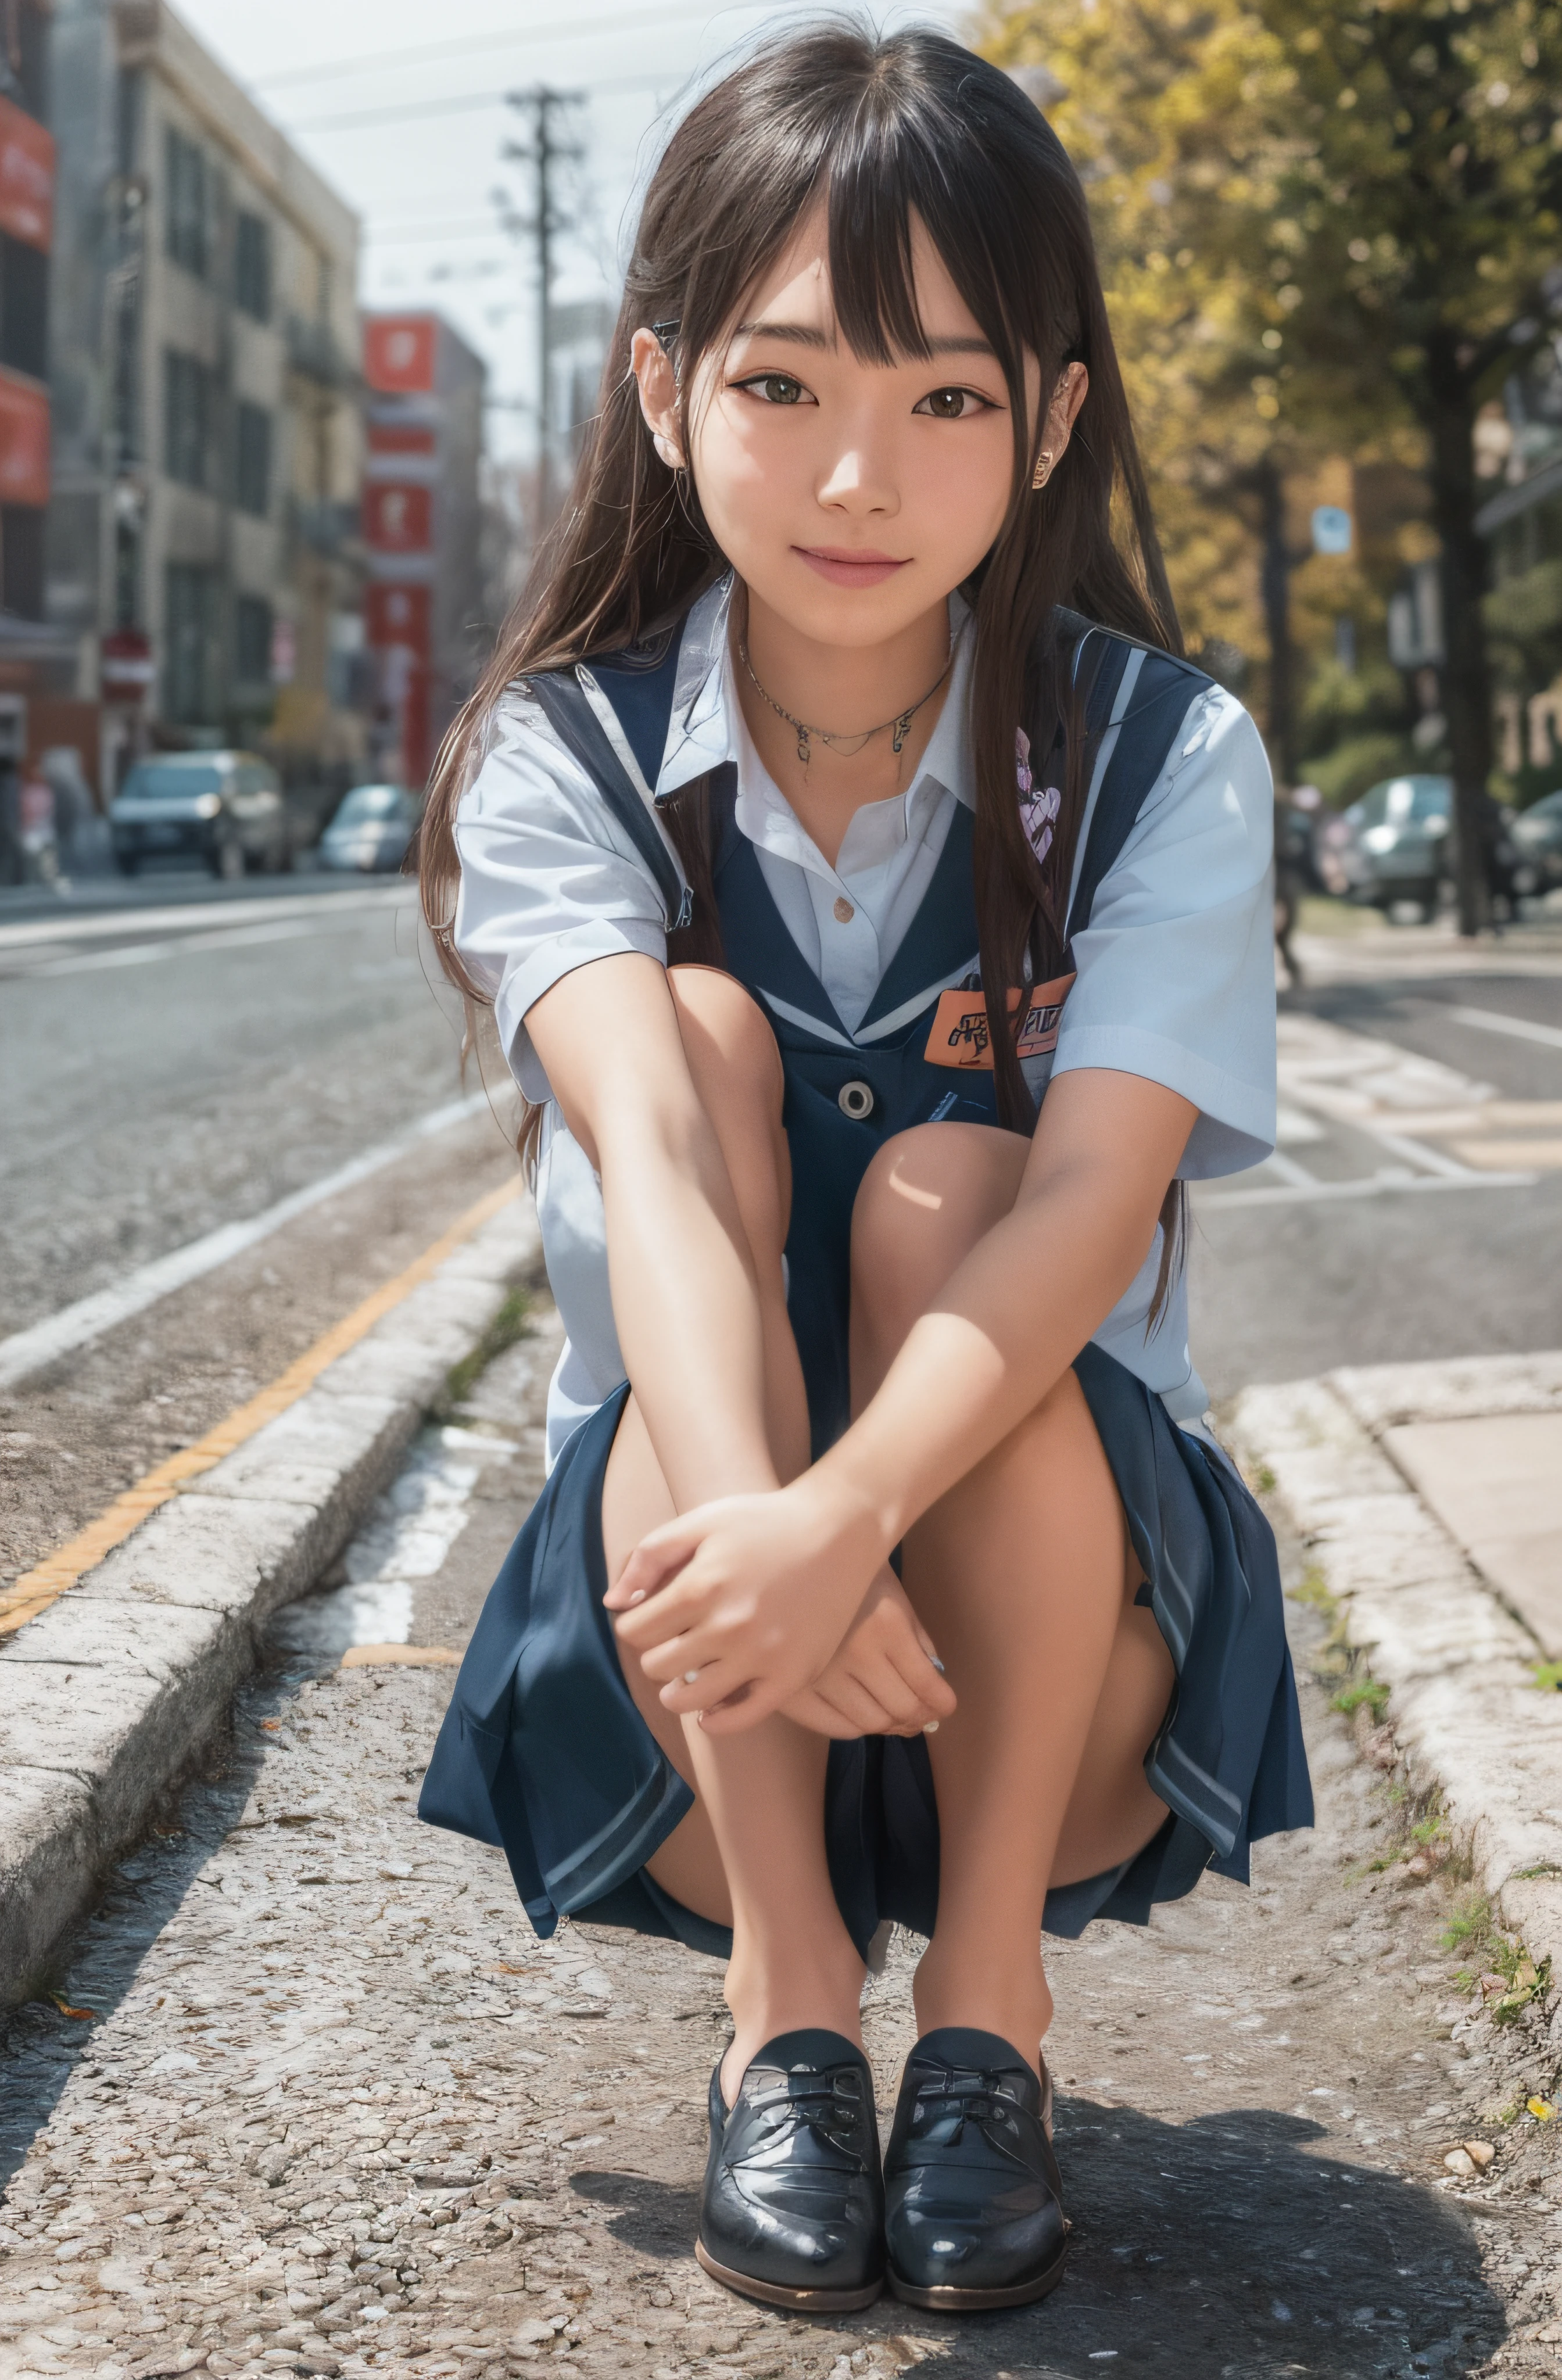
x=107 y=1694
x=1457 y=1661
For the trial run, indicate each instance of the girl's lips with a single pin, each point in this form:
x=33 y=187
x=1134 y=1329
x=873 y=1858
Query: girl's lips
x=844 y=567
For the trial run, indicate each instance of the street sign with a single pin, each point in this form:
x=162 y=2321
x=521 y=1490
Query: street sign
x=1331 y=530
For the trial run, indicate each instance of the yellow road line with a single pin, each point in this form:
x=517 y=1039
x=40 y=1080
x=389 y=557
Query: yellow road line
x=37 y=1588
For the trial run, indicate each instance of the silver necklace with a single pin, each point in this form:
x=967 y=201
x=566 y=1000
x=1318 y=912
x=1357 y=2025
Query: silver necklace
x=857 y=737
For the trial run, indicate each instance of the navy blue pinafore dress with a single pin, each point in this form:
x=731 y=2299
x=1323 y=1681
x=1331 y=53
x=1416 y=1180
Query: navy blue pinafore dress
x=543 y=1752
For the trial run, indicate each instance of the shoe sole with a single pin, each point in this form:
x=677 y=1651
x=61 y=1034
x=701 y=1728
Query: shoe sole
x=772 y=2294
x=949 y=2299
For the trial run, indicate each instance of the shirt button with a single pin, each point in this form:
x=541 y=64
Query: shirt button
x=844 y=910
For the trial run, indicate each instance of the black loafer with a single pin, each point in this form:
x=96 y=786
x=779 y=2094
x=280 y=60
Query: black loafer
x=973 y=2217
x=793 y=2211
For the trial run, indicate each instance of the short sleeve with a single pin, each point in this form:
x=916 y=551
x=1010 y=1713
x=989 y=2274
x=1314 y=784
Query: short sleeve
x=548 y=880
x=1176 y=970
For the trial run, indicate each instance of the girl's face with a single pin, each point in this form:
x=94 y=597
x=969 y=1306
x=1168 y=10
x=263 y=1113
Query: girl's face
x=848 y=496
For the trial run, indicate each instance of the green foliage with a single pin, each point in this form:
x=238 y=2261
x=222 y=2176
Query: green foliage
x=1469 y=1924
x=1361 y=1694
x=1313 y=1588
x=1325 y=227
x=1547 y=1676
x=507 y=1326
x=1359 y=762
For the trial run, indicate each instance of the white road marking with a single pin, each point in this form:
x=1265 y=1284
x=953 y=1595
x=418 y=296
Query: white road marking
x=1390 y=1183
x=78 y=1325
x=139 y=954
x=410 y=1530
x=185 y=916
x=1491 y=1020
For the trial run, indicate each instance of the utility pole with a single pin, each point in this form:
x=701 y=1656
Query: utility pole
x=544 y=150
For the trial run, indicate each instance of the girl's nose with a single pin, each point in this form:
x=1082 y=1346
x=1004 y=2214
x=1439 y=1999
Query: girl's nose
x=855 y=483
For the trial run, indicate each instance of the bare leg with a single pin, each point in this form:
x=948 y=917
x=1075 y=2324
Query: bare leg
x=1023 y=1575
x=751 y=1853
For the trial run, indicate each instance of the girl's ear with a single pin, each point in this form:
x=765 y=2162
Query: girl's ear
x=1073 y=387
x=652 y=369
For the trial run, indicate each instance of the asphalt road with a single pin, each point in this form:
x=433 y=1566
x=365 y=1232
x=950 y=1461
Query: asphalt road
x=1295 y=1282
x=169 y=1066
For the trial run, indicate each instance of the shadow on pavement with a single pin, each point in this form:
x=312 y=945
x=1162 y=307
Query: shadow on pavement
x=1228 y=2248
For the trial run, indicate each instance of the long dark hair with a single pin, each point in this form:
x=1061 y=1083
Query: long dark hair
x=885 y=130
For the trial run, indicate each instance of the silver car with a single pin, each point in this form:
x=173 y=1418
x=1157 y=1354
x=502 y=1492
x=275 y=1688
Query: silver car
x=225 y=808
x=1397 y=850
x=372 y=828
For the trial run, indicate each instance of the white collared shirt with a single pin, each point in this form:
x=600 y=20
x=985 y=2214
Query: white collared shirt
x=1175 y=976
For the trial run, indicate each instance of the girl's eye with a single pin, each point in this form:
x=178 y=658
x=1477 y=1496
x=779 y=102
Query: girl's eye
x=775 y=388
x=953 y=404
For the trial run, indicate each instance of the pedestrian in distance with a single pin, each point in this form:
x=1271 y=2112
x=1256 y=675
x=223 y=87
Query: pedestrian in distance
x=874 y=908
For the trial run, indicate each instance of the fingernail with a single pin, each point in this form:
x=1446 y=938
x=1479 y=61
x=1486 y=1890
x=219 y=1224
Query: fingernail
x=936 y=1663
x=931 y=1727
x=638 y=1597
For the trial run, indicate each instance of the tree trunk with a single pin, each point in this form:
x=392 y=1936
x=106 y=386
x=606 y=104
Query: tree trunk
x=1467 y=689
x=1275 y=583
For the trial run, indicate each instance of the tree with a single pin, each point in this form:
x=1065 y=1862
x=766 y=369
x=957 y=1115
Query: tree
x=1355 y=206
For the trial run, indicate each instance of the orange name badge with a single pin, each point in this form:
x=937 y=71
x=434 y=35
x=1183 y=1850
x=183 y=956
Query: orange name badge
x=960 y=1035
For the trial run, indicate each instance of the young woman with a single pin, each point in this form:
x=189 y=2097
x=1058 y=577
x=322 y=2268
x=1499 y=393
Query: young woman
x=835 y=795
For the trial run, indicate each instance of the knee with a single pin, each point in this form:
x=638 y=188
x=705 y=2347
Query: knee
x=926 y=1199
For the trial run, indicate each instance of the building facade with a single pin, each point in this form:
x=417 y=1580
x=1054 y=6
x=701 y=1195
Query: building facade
x=423 y=531
x=202 y=547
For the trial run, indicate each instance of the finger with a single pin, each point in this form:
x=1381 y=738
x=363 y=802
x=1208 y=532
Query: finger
x=811 y=1710
x=656 y=1560
x=853 y=1697
x=674 y=1612
x=696 y=1690
x=934 y=1696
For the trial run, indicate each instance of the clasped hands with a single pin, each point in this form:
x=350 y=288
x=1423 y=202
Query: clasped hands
x=779 y=1602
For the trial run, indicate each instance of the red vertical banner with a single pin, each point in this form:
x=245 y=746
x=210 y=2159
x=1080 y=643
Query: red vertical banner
x=27 y=178
x=399 y=353
x=397 y=519
x=24 y=442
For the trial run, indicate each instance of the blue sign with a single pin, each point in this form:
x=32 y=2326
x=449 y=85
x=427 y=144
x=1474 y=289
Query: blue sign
x=1331 y=530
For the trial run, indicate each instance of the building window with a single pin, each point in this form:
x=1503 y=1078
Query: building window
x=21 y=560
x=252 y=640
x=189 y=696
x=188 y=200
x=251 y=476
x=187 y=418
x=252 y=267
x=24 y=308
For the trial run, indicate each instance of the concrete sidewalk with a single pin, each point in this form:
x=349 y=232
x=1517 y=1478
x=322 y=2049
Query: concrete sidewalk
x=1430 y=1499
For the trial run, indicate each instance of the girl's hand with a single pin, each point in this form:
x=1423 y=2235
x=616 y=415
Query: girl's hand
x=752 y=1595
x=884 y=1678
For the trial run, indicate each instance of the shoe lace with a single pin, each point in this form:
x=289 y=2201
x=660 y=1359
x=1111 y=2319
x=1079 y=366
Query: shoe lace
x=949 y=2097
x=829 y=2098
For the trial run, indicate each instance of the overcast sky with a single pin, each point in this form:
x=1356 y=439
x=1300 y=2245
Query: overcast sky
x=410 y=130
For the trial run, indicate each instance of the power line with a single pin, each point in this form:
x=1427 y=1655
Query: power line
x=460 y=103
x=560 y=28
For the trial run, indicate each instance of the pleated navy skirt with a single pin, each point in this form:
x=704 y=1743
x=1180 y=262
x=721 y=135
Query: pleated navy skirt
x=542 y=1751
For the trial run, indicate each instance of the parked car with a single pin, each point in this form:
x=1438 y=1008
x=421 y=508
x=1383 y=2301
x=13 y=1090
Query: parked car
x=1396 y=850
x=1537 y=833
x=225 y=807
x=1403 y=845
x=372 y=828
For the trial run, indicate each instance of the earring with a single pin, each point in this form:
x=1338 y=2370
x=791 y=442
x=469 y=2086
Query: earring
x=667 y=451
x=1044 y=468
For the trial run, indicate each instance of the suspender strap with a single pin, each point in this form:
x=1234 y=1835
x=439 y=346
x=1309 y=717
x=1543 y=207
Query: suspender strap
x=1157 y=703
x=568 y=709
